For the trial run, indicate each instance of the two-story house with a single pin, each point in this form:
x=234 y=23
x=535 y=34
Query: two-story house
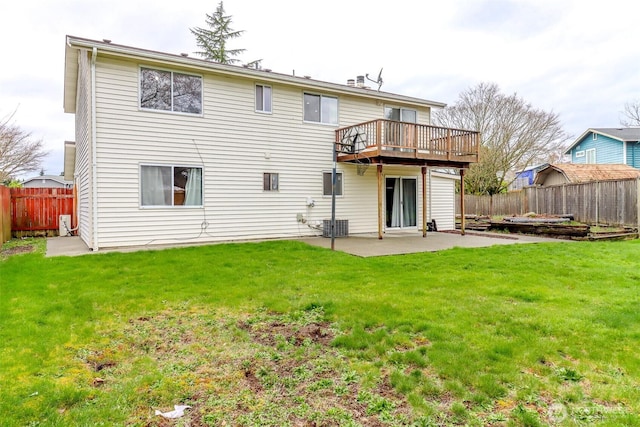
x=607 y=146
x=174 y=149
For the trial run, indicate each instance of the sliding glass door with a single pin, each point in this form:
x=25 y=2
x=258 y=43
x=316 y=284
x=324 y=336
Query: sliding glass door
x=401 y=202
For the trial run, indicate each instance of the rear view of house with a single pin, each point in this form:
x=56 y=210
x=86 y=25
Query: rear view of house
x=172 y=149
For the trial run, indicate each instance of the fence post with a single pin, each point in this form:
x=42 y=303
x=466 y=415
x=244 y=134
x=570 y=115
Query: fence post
x=638 y=204
x=597 y=202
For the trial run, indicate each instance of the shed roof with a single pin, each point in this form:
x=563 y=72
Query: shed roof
x=575 y=173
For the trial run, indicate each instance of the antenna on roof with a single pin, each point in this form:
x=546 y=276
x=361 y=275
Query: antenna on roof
x=378 y=82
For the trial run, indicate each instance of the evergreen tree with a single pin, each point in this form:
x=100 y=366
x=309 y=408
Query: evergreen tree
x=213 y=41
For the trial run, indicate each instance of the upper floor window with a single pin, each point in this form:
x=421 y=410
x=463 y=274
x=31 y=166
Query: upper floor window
x=401 y=114
x=170 y=186
x=321 y=109
x=170 y=91
x=263 y=98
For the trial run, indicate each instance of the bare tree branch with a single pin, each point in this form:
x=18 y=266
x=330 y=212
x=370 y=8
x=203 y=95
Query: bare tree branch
x=19 y=152
x=514 y=134
x=631 y=114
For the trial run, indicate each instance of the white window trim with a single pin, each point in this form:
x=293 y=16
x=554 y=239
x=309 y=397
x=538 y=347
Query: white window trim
x=154 y=110
x=384 y=110
x=172 y=206
x=321 y=97
x=263 y=111
x=330 y=172
x=594 y=136
x=589 y=151
x=271 y=190
x=580 y=153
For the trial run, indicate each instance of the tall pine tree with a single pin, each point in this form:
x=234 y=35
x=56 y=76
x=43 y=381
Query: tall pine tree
x=213 y=41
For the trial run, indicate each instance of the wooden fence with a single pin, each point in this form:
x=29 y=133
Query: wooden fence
x=5 y=214
x=36 y=211
x=602 y=202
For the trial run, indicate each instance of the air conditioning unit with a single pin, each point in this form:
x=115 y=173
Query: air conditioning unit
x=64 y=225
x=342 y=228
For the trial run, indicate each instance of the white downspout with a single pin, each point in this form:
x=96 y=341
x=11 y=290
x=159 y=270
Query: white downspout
x=94 y=177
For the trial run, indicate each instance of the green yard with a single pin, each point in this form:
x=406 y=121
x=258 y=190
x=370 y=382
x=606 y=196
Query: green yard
x=281 y=333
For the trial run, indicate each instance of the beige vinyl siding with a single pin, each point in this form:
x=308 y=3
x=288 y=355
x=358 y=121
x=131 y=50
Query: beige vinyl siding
x=83 y=150
x=234 y=145
x=442 y=203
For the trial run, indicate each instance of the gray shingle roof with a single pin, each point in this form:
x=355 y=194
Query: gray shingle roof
x=624 y=134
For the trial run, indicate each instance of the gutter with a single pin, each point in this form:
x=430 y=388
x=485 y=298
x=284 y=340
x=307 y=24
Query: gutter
x=94 y=133
x=234 y=70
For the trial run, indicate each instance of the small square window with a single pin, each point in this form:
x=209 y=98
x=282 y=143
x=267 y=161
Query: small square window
x=263 y=98
x=270 y=181
x=327 y=184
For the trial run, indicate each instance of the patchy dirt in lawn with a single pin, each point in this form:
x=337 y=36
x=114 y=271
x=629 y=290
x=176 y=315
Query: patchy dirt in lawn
x=15 y=250
x=264 y=369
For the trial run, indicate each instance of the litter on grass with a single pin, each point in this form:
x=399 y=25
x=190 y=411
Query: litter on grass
x=178 y=411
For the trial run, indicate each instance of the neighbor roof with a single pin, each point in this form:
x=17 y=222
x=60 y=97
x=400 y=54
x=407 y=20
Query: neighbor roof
x=575 y=173
x=56 y=178
x=76 y=44
x=621 y=134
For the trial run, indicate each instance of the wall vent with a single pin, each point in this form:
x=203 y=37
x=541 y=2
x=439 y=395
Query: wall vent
x=342 y=228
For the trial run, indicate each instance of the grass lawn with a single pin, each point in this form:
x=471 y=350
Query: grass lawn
x=281 y=333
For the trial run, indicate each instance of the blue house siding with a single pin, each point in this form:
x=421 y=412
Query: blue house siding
x=608 y=150
x=633 y=154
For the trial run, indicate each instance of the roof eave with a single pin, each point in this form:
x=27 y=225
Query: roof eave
x=70 y=77
x=578 y=140
x=76 y=43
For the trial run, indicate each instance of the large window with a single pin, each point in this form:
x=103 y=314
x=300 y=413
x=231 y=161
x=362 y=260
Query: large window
x=591 y=156
x=321 y=109
x=169 y=91
x=400 y=114
x=170 y=186
x=263 y=98
x=326 y=183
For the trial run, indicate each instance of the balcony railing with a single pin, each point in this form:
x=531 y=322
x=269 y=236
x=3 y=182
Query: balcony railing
x=408 y=142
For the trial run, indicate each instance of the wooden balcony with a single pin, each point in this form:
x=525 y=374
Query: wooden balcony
x=391 y=142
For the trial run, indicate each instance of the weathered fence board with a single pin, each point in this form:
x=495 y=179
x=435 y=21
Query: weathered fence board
x=5 y=214
x=36 y=211
x=603 y=202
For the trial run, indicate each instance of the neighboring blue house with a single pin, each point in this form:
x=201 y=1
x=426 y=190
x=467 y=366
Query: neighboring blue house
x=607 y=146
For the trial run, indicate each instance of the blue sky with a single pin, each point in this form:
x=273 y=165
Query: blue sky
x=580 y=59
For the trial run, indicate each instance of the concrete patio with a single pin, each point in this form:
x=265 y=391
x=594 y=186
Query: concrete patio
x=363 y=245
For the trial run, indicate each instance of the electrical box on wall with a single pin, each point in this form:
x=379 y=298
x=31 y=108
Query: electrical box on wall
x=64 y=225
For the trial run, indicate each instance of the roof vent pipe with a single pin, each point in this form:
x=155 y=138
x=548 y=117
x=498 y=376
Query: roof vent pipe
x=360 y=81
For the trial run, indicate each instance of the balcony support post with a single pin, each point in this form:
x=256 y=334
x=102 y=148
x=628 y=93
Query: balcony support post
x=424 y=201
x=462 y=213
x=380 y=200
